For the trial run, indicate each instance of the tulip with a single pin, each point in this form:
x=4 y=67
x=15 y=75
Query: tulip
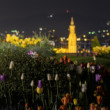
x=56 y=77
x=99 y=88
x=30 y=52
x=29 y=108
x=64 y=101
x=75 y=62
x=26 y=105
x=3 y=77
x=75 y=101
x=98 y=67
x=80 y=83
x=65 y=58
x=32 y=83
x=69 y=60
x=39 y=88
x=88 y=65
x=68 y=76
x=78 y=108
x=94 y=58
x=11 y=65
x=39 y=108
x=95 y=107
x=97 y=77
x=83 y=89
x=79 y=69
x=103 y=108
x=69 y=97
x=92 y=69
x=49 y=77
x=92 y=106
x=40 y=83
x=62 y=107
x=22 y=76
x=99 y=99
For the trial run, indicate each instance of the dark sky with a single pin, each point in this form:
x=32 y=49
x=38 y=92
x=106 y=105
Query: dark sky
x=89 y=15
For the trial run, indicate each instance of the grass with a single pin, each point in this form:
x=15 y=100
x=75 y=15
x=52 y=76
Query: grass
x=99 y=60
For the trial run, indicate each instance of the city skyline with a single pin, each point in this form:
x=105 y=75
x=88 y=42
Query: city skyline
x=30 y=15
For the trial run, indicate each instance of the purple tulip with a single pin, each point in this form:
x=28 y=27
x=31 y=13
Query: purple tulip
x=3 y=77
x=40 y=83
x=97 y=77
x=30 y=52
x=98 y=67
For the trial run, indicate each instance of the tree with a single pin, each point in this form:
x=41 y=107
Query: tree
x=95 y=42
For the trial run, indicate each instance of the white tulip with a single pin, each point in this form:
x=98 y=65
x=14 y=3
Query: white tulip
x=32 y=83
x=22 y=76
x=92 y=69
x=84 y=88
x=11 y=65
x=49 y=77
x=68 y=76
x=94 y=58
x=56 y=77
x=88 y=65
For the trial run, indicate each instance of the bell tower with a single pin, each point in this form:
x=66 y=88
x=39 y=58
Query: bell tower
x=72 y=46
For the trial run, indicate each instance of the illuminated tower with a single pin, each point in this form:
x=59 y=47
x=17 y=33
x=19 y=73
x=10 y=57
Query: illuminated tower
x=72 y=46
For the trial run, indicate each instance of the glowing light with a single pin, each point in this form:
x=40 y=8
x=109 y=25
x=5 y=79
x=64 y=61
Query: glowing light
x=108 y=34
x=93 y=32
x=61 y=39
x=84 y=35
x=103 y=36
x=53 y=30
x=89 y=32
x=85 y=39
x=103 y=30
x=78 y=39
x=40 y=29
x=67 y=11
x=106 y=30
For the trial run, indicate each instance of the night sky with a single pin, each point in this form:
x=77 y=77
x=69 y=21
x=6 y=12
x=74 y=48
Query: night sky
x=28 y=15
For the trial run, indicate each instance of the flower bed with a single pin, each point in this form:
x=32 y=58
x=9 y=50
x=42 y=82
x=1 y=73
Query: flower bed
x=45 y=83
x=30 y=81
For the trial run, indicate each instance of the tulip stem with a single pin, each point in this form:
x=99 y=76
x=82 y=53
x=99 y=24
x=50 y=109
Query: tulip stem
x=51 y=91
x=11 y=73
x=32 y=95
x=70 y=87
x=57 y=89
x=88 y=71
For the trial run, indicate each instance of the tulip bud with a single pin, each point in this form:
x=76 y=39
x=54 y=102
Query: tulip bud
x=49 y=77
x=88 y=65
x=11 y=65
x=92 y=69
x=56 y=77
x=94 y=58
x=22 y=76
x=39 y=90
x=75 y=101
x=83 y=89
x=79 y=69
x=68 y=76
x=75 y=62
x=32 y=83
x=80 y=83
